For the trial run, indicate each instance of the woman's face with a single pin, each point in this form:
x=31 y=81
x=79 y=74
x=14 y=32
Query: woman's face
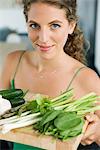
x=48 y=29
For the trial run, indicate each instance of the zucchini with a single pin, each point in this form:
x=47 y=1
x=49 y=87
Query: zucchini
x=11 y=93
x=17 y=101
x=15 y=96
x=6 y=91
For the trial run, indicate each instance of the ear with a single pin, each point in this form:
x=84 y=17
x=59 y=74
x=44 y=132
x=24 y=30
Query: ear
x=72 y=27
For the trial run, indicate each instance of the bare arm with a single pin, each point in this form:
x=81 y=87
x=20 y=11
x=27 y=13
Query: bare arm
x=91 y=83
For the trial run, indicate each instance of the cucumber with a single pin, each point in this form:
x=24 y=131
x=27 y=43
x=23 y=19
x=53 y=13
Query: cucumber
x=11 y=93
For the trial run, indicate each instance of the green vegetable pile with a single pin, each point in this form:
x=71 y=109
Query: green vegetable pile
x=61 y=117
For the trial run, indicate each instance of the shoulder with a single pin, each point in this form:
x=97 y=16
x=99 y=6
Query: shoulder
x=13 y=55
x=11 y=59
x=9 y=66
x=89 y=80
x=89 y=75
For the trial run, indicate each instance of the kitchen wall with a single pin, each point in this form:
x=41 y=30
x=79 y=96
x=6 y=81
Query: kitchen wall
x=12 y=18
x=11 y=15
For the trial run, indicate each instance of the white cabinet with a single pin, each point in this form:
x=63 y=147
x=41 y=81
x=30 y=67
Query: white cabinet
x=97 y=45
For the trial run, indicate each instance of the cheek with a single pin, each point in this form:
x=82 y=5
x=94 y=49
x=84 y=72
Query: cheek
x=31 y=35
x=62 y=38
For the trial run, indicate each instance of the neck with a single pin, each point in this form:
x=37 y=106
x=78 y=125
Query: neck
x=53 y=63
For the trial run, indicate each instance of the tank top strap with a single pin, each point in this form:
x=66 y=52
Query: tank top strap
x=16 y=69
x=76 y=73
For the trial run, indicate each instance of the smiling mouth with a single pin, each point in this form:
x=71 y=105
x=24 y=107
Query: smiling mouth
x=44 y=48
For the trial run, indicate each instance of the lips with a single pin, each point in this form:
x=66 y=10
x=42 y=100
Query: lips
x=44 y=47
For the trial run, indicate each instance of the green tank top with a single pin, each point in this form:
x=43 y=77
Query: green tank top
x=18 y=146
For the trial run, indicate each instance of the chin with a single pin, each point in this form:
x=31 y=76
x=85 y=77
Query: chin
x=48 y=56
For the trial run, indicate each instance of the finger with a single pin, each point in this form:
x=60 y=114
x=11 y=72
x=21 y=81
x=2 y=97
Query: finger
x=84 y=144
x=87 y=142
x=92 y=117
x=90 y=138
x=90 y=131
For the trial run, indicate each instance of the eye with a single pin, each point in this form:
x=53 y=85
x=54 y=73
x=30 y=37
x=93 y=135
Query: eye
x=34 y=26
x=55 y=26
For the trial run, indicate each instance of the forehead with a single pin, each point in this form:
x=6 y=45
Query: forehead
x=45 y=11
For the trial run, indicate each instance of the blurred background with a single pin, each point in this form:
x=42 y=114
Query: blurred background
x=13 y=31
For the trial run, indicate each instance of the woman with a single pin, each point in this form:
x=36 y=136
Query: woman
x=58 y=54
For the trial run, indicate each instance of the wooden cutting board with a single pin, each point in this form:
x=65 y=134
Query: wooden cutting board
x=28 y=136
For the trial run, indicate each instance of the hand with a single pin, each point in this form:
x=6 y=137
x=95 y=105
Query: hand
x=92 y=133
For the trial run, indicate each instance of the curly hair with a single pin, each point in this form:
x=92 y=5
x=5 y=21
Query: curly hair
x=74 y=45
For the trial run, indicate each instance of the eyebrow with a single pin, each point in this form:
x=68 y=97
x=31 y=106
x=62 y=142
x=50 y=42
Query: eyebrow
x=58 y=21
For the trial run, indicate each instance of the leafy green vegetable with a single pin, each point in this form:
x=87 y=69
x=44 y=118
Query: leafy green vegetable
x=67 y=120
x=49 y=116
x=31 y=105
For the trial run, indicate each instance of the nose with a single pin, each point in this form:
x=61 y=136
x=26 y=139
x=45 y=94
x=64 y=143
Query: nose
x=43 y=35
